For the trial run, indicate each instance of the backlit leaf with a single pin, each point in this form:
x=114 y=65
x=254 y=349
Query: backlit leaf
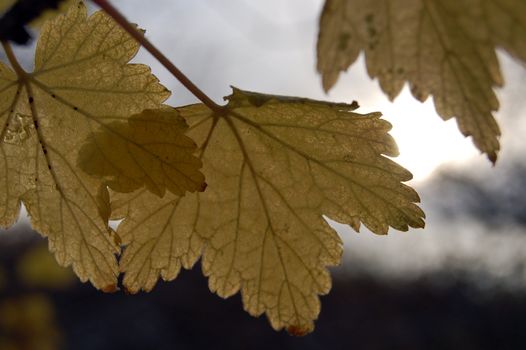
x=274 y=166
x=150 y=149
x=81 y=82
x=443 y=48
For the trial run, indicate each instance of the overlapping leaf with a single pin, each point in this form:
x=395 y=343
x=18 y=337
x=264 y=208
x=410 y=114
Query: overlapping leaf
x=274 y=166
x=82 y=81
x=150 y=149
x=442 y=48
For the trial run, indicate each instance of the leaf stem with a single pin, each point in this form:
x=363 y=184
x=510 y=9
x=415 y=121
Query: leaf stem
x=24 y=81
x=20 y=72
x=141 y=39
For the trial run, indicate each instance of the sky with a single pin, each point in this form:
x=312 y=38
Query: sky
x=269 y=46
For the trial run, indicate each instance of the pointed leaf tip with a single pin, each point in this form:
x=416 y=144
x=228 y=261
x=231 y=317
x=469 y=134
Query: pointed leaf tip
x=299 y=331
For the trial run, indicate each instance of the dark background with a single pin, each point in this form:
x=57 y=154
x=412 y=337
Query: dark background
x=439 y=311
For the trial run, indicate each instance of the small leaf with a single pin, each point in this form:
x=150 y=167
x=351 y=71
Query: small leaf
x=274 y=166
x=149 y=149
x=441 y=48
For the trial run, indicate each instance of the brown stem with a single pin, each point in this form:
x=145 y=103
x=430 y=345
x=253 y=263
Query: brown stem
x=141 y=39
x=20 y=72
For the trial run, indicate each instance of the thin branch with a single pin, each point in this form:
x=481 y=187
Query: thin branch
x=141 y=39
x=20 y=72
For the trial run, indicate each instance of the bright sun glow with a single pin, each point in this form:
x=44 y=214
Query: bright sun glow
x=425 y=141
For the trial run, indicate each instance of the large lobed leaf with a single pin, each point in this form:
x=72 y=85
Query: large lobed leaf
x=443 y=48
x=274 y=166
x=86 y=119
x=82 y=83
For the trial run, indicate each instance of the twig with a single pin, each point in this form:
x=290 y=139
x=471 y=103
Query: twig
x=141 y=39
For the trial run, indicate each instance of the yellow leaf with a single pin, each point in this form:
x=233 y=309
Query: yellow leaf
x=81 y=81
x=442 y=48
x=274 y=166
x=150 y=149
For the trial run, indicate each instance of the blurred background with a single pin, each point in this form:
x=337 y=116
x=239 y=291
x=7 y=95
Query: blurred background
x=460 y=283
